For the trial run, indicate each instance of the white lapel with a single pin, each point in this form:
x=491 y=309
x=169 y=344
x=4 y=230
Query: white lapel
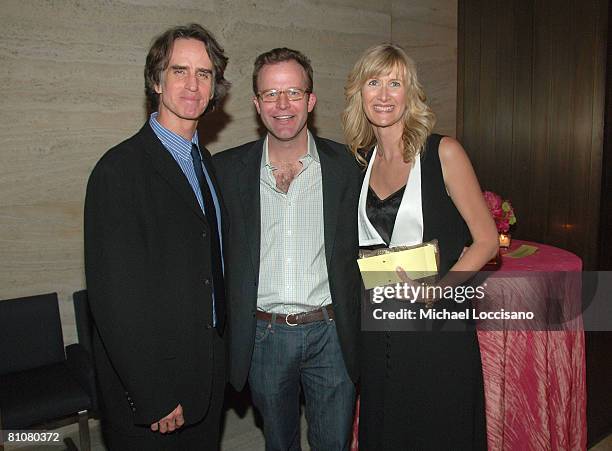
x=409 y=216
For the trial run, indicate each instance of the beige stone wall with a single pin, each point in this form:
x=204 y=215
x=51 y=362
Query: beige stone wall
x=71 y=74
x=428 y=32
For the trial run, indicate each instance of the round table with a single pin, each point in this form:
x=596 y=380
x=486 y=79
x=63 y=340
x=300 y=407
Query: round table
x=535 y=380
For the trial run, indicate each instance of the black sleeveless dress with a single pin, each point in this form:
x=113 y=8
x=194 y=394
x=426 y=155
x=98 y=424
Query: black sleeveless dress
x=422 y=390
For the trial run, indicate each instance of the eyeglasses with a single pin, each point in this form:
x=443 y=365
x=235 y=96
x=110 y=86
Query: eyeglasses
x=293 y=94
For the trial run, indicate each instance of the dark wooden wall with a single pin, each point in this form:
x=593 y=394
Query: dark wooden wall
x=531 y=98
x=599 y=344
x=531 y=85
x=605 y=233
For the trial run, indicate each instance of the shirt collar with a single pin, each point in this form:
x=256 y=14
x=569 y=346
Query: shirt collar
x=311 y=153
x=173 y=142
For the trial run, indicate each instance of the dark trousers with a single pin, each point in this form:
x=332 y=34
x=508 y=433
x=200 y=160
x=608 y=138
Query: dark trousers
x=287 y=357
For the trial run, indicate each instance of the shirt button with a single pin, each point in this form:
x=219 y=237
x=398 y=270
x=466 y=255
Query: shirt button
x=206 y=282
x=204 y=234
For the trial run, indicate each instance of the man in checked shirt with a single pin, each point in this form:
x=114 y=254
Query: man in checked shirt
x=292 y=276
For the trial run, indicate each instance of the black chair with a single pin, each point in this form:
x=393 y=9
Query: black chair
x=40 y=380
x=85 y=331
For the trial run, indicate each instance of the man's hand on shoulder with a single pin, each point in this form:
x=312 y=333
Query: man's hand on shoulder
x=170 y=422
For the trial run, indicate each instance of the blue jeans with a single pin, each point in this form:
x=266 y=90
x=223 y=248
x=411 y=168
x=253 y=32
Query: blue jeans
x=309 y=355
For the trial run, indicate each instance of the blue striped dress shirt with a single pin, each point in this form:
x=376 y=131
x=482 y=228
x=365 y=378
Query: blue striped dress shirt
x=180 y=149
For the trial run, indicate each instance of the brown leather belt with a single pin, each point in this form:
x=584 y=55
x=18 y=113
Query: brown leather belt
x=293 y=319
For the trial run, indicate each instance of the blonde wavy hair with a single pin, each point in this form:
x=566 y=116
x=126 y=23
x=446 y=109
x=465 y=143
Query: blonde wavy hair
x=418 y=119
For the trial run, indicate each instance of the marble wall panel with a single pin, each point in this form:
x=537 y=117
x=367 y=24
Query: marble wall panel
x=428 y=32
x=73 y=88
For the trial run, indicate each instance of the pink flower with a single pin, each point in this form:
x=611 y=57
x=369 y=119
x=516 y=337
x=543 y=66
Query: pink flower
x=501 y=211
x=503 y=225
x=493 y=200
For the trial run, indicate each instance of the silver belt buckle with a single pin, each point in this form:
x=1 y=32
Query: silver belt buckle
x=287 y=319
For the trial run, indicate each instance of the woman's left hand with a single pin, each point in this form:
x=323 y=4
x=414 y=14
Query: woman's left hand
x=419 y=291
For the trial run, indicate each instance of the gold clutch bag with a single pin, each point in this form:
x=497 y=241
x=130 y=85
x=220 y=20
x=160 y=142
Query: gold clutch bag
x=378 y=266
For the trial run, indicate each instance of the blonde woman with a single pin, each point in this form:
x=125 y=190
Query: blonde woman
x=419 y=390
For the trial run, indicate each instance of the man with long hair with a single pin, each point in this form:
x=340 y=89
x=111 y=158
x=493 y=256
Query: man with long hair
x=154 y=231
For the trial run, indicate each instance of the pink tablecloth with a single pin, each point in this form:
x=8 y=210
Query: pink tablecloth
x=547 y=258
x=535 y=381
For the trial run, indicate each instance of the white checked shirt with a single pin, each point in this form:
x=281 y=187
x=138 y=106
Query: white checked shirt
x=292 y=268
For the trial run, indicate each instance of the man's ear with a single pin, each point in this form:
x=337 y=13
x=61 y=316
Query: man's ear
x=256 y=103
x=312 y=100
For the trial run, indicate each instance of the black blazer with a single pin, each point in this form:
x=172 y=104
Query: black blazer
x=238 y=174
x=148 y=270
